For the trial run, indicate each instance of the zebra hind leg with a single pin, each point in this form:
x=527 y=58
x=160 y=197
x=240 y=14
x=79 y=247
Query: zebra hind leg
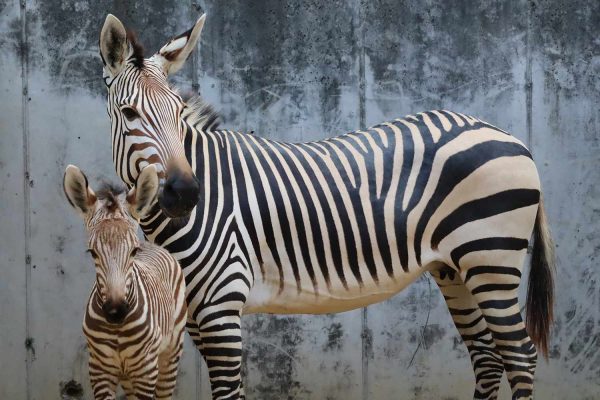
x=495 y=290
x=468 y=319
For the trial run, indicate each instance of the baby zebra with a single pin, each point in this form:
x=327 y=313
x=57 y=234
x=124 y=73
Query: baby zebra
x=136 y=312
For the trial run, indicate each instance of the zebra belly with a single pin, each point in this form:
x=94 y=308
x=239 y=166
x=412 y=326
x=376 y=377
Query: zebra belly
x=265 y=297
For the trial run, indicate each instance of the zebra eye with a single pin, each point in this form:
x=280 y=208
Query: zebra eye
x=134 y=252
x=129 y=113
x=92 y=253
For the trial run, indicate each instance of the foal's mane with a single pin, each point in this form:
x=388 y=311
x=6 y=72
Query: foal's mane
x=110 y=192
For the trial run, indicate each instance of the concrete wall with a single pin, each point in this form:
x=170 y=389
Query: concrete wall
x=301 y=70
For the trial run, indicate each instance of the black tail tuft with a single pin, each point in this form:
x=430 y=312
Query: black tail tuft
x=540 y=289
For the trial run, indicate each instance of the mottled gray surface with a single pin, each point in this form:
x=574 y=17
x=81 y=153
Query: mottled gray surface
x=301 y=70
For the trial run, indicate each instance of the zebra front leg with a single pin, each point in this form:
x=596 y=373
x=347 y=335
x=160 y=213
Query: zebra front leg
x=468 y=319
x=221 y=347
x=103 y=378
x=143 y=379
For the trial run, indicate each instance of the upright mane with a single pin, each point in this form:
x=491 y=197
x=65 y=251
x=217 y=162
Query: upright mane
x=200 y=114
x=110 y=192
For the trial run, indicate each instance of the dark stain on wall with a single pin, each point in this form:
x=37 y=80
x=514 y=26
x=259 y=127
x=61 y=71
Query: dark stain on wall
x=432 y=333
x=69 y=47
x=59 y=243
x=264 y=51
x=435 y=53
x=335 y=336
x=30 y=346
x=566 y=35
x=271 y=346
x=71 y=390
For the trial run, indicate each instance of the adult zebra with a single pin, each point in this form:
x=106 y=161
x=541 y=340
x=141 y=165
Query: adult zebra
x=328 y=226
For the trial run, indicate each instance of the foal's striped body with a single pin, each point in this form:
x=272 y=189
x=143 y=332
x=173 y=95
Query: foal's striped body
x=142 y=353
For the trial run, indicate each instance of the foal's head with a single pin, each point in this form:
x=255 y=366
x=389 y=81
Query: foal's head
x=111 y=218
x=146 y=113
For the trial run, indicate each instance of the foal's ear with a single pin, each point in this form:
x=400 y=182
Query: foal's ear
x=114 y=46
x=143 y=193
x=173 y=54
x=77 y=190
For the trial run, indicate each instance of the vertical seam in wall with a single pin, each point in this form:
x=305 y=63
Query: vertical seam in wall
x=24 y=45
x=361 y=69
x=362 y=123
x=529 y=78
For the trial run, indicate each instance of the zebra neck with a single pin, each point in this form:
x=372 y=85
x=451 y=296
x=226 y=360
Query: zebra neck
x=207 y=153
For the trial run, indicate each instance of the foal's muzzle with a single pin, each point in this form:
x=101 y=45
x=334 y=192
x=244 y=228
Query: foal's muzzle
x=115 y=312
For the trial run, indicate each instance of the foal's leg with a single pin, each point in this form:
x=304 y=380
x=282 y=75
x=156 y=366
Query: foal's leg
x=468 y=319
x=143 y=380
x=168 y=363
x=128 y=389
x=103 y=377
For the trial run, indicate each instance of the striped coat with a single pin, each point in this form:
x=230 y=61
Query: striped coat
x=327 y=226
x=136 y=312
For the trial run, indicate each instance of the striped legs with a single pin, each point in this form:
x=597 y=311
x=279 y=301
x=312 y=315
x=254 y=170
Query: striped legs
x=220 y=343
x=495 y=290
x=103 y=377
x=468 y=319
x=143 y=382
x=167 y=373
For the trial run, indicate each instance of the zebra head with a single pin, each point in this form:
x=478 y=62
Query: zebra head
x=111 y=219
x=146 y=113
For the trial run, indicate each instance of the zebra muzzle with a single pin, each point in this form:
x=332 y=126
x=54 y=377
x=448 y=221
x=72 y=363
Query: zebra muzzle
x=179 y=194
x=115 y=312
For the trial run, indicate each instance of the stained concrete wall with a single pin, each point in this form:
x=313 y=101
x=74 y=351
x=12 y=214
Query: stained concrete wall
x=301 y=70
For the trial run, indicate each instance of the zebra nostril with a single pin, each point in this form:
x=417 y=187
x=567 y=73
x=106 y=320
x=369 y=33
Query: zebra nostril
x=168 y=186
x=115 y=312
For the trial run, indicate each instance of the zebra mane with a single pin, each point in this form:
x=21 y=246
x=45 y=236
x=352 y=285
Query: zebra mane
x=200 y=115
x=110 y=192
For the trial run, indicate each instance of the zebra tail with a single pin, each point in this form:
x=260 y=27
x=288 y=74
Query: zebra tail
x=540 y=289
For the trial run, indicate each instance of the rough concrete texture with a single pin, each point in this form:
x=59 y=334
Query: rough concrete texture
x=301 y=70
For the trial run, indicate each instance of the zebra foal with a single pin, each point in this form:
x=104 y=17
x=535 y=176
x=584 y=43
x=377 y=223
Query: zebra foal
x=136 y=312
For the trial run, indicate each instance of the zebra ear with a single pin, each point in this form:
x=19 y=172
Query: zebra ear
x=78 y=192
x=114 y=46
x=143 y=194
x=173 y=54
